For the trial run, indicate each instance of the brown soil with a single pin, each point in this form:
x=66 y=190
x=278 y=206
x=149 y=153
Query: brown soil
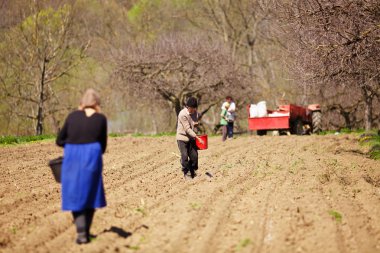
x=266 y=194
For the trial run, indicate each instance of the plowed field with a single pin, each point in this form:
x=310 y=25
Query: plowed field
x=260 y=194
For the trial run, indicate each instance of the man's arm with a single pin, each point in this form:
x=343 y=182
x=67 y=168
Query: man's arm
x=186 y=126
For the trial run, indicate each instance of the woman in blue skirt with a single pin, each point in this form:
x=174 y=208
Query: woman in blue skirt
x=84 y=138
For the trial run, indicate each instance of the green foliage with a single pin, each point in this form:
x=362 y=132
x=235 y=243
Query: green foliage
x=4 y=140
x=151 y=18
x=136 y=12
x=39 y=51
x=46 y=27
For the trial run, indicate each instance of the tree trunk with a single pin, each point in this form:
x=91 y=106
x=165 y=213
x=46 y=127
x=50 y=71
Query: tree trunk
x=40 y=112
x=177 y=106
x=346 y=116
x=368 y=113
x=251 y=50
x=368 y=99
x=154 y=120
x=250 y=58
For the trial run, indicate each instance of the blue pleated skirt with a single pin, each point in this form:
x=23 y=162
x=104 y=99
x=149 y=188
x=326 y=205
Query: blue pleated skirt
x=81 y=177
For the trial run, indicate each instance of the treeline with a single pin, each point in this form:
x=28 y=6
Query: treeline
x=147 y=56
x=337 y=45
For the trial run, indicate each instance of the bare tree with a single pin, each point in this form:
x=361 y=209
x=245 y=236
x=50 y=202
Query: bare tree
x=347 y=103
x=175 y=68
x=336 y=43
x=240 y=23
x=249 y=28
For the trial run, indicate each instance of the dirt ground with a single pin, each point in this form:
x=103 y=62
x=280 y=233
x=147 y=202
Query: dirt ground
x=260 y=194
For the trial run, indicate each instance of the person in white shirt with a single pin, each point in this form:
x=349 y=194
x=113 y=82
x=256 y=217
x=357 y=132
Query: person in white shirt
x=231 y=116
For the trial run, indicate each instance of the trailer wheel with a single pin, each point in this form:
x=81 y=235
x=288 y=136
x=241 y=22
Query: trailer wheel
x=297 y=127
x=261 y=132
x=317 y=122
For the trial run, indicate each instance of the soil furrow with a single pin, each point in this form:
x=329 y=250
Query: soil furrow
x=261 y=194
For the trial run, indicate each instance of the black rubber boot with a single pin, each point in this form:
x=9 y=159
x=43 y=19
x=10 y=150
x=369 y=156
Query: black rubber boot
x=82 y=238
x=89 y=217
x=80 y=223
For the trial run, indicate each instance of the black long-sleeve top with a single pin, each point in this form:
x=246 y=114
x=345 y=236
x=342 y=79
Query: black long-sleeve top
x=79 y=129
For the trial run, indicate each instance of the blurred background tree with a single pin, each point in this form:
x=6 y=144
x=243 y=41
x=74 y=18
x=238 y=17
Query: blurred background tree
x=167 y=50
x=336 y=48
x=35 y=54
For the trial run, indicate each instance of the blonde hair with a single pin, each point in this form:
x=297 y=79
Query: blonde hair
x=225 y=105
x=90 y=99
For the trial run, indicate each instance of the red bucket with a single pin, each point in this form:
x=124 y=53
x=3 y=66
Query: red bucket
x=205 y=143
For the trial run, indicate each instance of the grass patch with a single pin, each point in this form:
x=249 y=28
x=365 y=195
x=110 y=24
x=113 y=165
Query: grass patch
x=6 y=140
x=13 y=230
x=375 y=154
x=343 y=131
x=338 y=217
x=195 y=206
x=11 y=140
x=243 y=243
x=137 y=246
x=154 y=135
x=112 y=135
x=369 y=138
x=142 y=208
x=349 y=131
x=225 y=168
x=133 y=247
x=373 y=141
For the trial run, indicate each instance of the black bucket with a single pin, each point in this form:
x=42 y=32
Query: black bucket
x=56 y=165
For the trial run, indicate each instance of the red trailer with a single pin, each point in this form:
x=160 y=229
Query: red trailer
x=291 y=118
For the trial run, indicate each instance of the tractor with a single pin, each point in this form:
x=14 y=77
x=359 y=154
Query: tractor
x=289 y=119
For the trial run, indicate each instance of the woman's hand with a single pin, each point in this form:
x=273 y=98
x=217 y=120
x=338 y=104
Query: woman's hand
x=200 y=140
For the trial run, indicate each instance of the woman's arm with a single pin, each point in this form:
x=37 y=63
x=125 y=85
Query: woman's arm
x=62 y=135
x=103 y=137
